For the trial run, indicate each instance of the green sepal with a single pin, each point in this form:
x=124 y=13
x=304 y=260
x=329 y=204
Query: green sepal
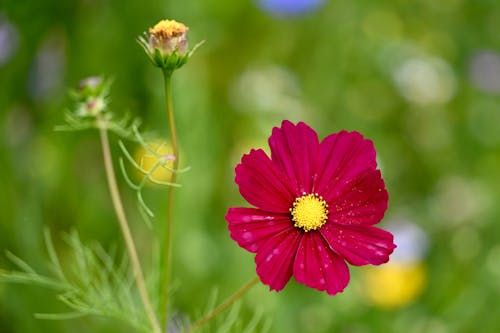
x=183 y=60
x=166 y=62
x=158 y=58
x=171 y=61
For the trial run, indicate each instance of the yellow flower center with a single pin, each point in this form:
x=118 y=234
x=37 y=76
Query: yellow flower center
x=309 y=212
x=168 y=29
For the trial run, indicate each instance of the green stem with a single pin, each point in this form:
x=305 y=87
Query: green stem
x=224 y=305
x=124 y=226
x=168 y=227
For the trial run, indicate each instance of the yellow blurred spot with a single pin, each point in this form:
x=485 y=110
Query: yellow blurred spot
x=148 y=161
x=394 y=285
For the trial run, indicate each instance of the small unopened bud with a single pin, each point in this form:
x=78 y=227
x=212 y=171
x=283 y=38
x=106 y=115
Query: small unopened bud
x=92 y=107
x=91 y=82
x=91 y=96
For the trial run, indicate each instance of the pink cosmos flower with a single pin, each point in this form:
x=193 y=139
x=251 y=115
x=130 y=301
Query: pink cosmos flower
x=315 y=207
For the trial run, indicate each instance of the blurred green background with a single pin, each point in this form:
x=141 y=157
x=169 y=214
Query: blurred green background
x=420 y=78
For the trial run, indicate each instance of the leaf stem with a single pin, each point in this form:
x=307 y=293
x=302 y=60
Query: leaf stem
x=224 y=305
x=167 y=75
x=122 y=219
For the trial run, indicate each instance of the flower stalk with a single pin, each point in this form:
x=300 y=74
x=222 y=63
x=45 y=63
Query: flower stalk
x=166 y=45
x=167 y=76
x=124 y=226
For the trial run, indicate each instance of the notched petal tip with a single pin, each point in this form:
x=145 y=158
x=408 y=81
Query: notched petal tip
x=318 y=267
x=274 y=259
x=359 y=245
x=295 y=151
x=362 y=201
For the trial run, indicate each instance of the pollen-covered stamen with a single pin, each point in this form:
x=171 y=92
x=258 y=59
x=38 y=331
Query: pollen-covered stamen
x=309 y=212
x=168 y=36
x=167 y=29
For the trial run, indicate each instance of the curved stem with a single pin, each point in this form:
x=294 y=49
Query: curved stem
x=224 y=305
x=170 y=200
x=127 y=235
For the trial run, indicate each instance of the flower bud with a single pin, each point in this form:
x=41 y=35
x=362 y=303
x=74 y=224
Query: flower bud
x=166 y=44
x=91 y=96
x=91 y=86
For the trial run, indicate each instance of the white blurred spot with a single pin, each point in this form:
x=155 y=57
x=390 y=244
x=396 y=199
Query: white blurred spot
x=458 y=200
x=412 y=242
x=484 y=71
x=425 y=81
x=9 y=40
x=47 y=71
x=270 y=89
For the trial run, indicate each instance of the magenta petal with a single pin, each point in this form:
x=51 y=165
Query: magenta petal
x=295 y=149
x=343 y=156
x=359 y=245
x=251 y=227
x=363 y=201
x=262 y=184
x=317 y=266
x=275 y=258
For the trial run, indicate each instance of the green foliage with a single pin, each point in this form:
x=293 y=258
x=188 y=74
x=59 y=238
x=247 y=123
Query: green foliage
x=121 y=127
x=90 y=282
x=94 y=282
